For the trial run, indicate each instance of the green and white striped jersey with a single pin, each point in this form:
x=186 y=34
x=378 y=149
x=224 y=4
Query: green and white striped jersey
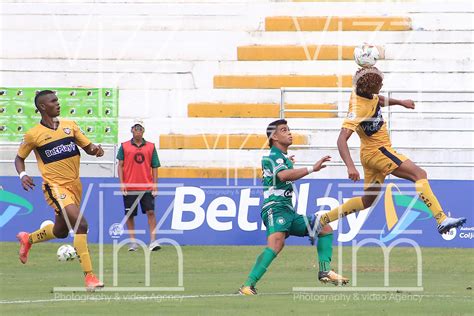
x=276 y=192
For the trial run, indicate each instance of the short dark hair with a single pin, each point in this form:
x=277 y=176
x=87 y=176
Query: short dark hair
x=40 y=94
x=272 y=128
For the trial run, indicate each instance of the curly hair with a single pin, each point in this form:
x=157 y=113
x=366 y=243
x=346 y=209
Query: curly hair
x=367 y=80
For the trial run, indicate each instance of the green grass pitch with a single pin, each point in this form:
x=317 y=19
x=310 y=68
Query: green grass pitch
x=213 y=274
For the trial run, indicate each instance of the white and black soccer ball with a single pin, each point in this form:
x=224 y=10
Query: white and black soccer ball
x=66 y=253
x=366 y=55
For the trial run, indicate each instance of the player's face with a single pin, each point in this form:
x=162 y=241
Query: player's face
x=138 y=131
x=50 y=105
x=283 y=135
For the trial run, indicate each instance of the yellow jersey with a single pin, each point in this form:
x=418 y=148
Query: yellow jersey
x=56 y=151
x=365 y=118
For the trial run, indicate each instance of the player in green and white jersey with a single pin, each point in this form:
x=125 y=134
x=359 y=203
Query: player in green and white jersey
x=278 y=214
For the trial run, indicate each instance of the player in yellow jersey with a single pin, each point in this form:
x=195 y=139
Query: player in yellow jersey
x=56 y=145
x=377 y=156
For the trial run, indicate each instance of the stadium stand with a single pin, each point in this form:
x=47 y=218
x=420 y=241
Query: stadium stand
x=207 y=78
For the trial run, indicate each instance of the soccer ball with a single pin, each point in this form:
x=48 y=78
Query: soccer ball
x=66 y=253
x=366 y=55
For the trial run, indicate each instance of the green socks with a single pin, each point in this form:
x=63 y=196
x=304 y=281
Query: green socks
x=264 y=260
x=260 y=267
x=324 y=247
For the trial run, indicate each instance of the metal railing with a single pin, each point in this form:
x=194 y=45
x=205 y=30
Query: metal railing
x=390 y=129
x=112 y=148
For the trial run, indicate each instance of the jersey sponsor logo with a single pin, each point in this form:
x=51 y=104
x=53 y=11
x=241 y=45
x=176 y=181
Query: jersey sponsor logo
x=58 y=150
x=67 y=130
x=374 y=124
x=288 y=193
x=139 y=158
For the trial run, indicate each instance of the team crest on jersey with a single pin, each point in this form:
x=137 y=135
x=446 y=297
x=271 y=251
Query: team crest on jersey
x=62 y=196
x=279 y=161
x=281 y=220
x=351 y=115
x=67 y=130
x=139 y=158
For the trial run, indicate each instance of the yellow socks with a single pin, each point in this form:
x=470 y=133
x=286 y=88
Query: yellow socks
x=351 y=206
x=355 y=204
x=42 y=234
x=427 y=196
x=80 y=243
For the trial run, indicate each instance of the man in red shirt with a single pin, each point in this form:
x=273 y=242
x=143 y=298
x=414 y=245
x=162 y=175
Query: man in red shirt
x=138 y=174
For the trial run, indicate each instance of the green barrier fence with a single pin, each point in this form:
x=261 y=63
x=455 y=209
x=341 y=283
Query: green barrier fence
x=94 y=109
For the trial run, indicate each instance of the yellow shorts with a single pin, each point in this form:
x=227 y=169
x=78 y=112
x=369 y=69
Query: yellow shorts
x=377 y=165
x=58 y=197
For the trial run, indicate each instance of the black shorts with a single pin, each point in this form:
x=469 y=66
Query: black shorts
x=147 y=202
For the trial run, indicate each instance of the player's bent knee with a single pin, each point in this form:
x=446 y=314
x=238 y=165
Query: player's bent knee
x=277 y=247
x=421 y=174
x=368 y=200
x=326 y=230
x=276 y=242
x=82 y=227
x=60 y=234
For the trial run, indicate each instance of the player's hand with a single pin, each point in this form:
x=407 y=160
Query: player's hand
x=320 y=163
x=353 y=174
x=99 y=152
x=292 y=159
x=123 y=188
x=409 y=104
x=27 y=183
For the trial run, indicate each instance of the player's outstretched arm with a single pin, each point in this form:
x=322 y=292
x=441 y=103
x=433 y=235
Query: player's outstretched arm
x=94 y=150
x=383 y=101
x=344 y=135
x=295 y=174
x=26 y=181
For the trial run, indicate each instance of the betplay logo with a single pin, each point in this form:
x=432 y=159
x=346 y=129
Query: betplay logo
x=222 y=211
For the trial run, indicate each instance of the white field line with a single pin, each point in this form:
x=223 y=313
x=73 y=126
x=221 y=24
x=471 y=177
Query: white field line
x=96 y=296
